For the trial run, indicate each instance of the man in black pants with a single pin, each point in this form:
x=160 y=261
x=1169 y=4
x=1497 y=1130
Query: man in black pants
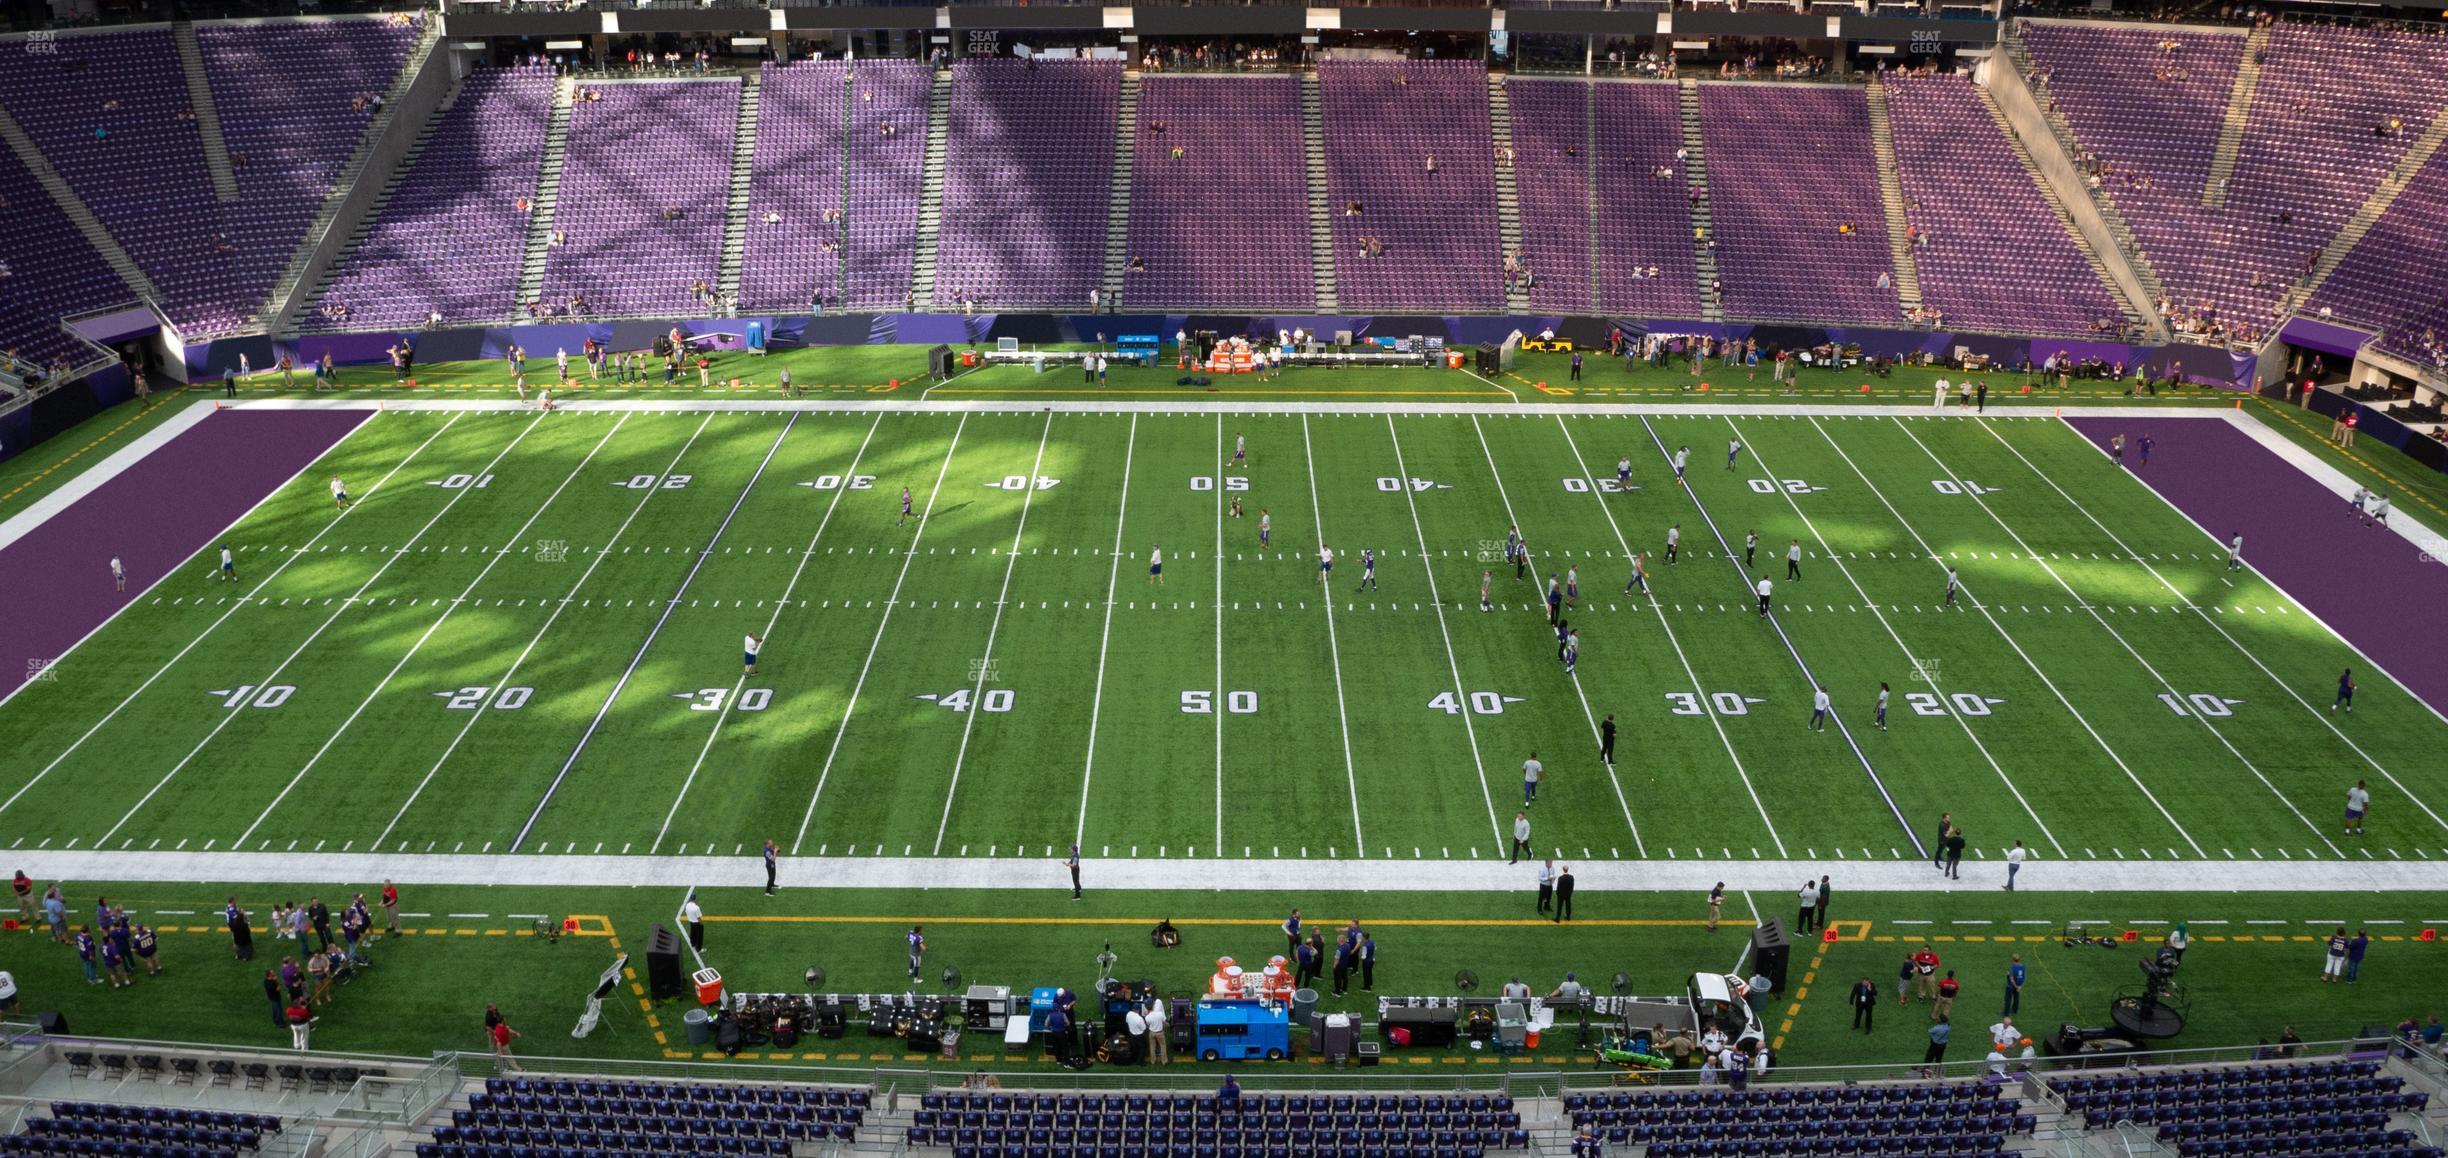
x=1865 y=1004
x=1576 y=366
x=1368 y=962
x=1606 y=739
x=771 y=853
x=1563 y=894
x=1072 y=861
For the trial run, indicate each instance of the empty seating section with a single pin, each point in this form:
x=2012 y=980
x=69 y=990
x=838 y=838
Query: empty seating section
x=990 y=1125
x=1915 y=1121
x=106 y=1128
x=294 y=98
x=2332 y=1107
x=2395 y=279
x=1644 y=223
x=643 y=190
x=107 y=111
x=1028 y=182
x=795 y=189
x=549 y=1117
x=1780 y=199
x=1438 y=246
x=452 y=237
x=1551 y=158
x=1996 y=257
x=52 y=272
x=1226 y=222
x=886 y=170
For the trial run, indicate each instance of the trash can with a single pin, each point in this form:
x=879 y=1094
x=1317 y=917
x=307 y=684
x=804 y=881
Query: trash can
x=700 y=1026
x=1304 y=1002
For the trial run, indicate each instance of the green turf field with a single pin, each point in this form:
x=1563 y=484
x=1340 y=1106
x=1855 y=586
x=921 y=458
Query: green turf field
x=527 y=637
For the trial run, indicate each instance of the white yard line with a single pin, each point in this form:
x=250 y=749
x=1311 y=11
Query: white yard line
x=89 y=480
x=669 y=606
x=240 y=602
x=1453 y=666
x=2096 y=617
x=172 y=572
x=448 y=609
x=994 y=627
x=1621 y=801
x=1658 y=614
x=1222 y=463
x=1113 y=583
x=1966 y=589
x=511 y=673
x=2205 y=616
x=1334 y=653
x=229 y=714
x=1832 y=556
x=909 y=555
x=807 y=553
x=1033 y=406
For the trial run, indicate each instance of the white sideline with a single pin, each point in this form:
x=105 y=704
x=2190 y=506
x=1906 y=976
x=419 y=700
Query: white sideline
x=1371 y=874
x=90 y=479
x=2333 y=480
x=1025 y=406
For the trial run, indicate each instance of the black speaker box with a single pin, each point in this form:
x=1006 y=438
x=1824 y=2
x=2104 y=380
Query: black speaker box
x=1770 y=952
x=664 y=978
x=53 y=1022
x=1429 y=1027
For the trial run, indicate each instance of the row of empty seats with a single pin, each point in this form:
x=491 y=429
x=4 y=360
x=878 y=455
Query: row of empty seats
x=2327 y=1107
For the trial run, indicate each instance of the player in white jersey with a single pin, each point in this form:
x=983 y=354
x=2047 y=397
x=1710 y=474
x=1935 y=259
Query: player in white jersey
x=544 y=399
x=1733 y=451
x=1572 y=588
x=1750 y=544
x=1572 y=651
x=1623 y=473
x=754 y=644
x=905 y=507
x=1240 y=450
x=1764 y=589
x=1485 y=579
x=1674 y=543
x=1882 y=707
x=2379 y=509
x=1681 y=454
x=1325 y=564
x=118 y=574
x=561 y=363
x=1793 y=560
x=2235 y=552
x=2356 y=500
x=1156 y=566
x=339 y=490
x=1950 y=588
x=1266 y=526
x=229 y=566
x=1640 y=575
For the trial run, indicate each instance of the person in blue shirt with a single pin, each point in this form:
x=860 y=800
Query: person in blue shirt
x=1368 y=968
x=2354 y=956
x=1938 y=1042
x=1229 y=1094
x=2014 y=987
x=85 y=956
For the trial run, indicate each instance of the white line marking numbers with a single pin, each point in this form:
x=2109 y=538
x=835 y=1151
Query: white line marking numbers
x=1199 y=702
x=647 y=482
x=468 y=699
x=2199 y=704
x=1020 y=482
x=1791 y=486
x=712 y=699
x=459 y=482
x=1723 y=703
x=1394 y=486
x=1964 y=703
x=1232 y=482
x=249 y=696
x=1480 y=703
x=1604 y=486
x=958 y=699
x=1948 y=486
x=828 y=482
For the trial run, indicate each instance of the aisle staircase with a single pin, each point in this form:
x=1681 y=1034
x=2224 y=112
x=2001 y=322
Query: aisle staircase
x=2374 y=206
x=364 y=226
x=2239 y=115
x=931 y=191
x=1589 y=191
x=285 y=302
x=547 y=194
x=1508 y=191
x=743 y=160
x=79 y=214
x=1891 y=200
x=1695 y=167
x=207 y=114
x=1117 y=205
x=2129 y=245
x=1321 y=206
x=2136 y=312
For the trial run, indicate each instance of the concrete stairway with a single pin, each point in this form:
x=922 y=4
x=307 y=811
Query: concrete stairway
x=1695 y=165
x=931 y=191
x=1508 y=190
x=1321 y=207
x=1117 y=205
x=284 y=302
x=1891 y=201
x=364 y=226
x=79 y=214
x=207 y=115
x=2136 y=312
x=2128 y=245
x=2369 y=213
x=1589 y=154
x=735 y=216
x=2239 y=114
x=547 y=194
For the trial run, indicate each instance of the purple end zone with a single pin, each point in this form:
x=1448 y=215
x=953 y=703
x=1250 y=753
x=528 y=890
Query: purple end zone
x=155 y=514
x=2359 y=580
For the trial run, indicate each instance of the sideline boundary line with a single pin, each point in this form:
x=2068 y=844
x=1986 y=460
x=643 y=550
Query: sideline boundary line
x=87 y=481
x=2119 y=637
x=669 y=606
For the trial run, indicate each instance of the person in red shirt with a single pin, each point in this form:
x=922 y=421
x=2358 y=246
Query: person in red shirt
x=502 y=1033
x=390 y=907
x=1947 y=989
x=1925 y=972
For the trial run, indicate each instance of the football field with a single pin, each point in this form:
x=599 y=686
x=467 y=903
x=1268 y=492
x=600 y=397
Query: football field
x=526 y=635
